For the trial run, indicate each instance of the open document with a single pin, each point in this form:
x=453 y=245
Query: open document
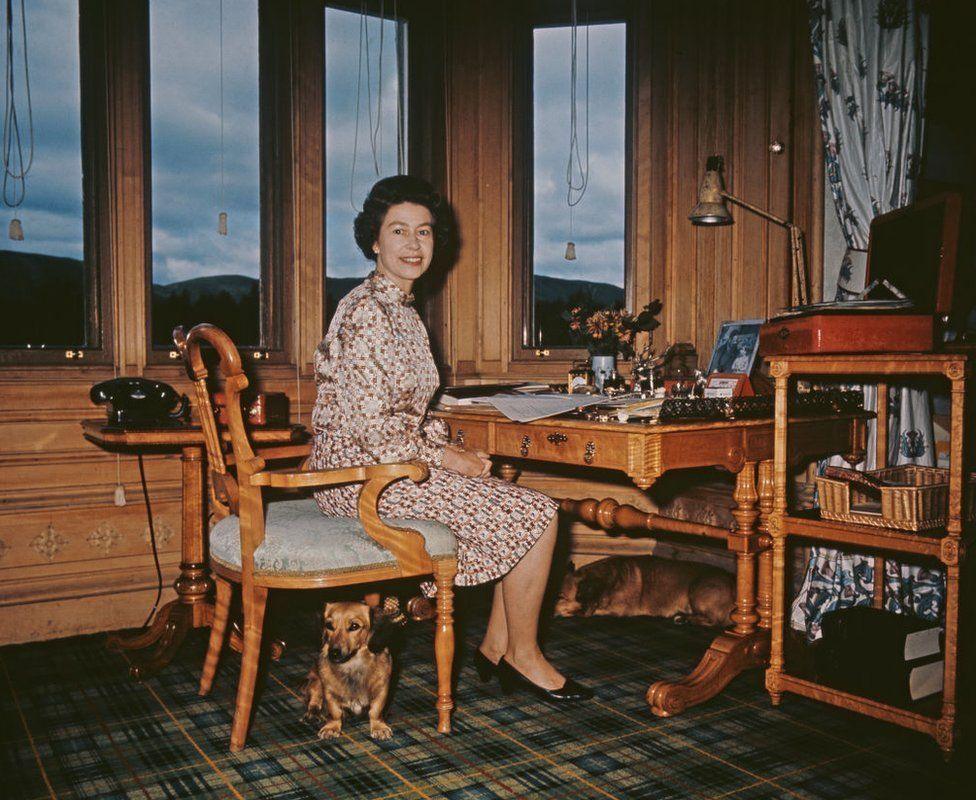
x=529 y=407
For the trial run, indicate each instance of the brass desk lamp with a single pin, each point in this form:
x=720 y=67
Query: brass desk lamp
x=711 y=210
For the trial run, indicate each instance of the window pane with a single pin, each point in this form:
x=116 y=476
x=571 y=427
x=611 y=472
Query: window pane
x=197 y=274
x=44 y=298
x=345 y=189
x=597 y=275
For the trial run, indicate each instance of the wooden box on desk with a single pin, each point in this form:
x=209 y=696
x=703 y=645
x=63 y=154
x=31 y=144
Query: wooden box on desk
x=914 y=248
x=847 y=333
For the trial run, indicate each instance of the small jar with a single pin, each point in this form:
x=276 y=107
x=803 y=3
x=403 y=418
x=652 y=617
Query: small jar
x=580 y=377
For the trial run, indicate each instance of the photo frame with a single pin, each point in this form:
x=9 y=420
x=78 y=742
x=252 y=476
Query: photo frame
x=736 y=346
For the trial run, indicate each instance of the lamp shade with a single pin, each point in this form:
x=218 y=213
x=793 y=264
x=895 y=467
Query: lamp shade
x=711 y=208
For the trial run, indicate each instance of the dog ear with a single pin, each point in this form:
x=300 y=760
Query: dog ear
x=322 y=618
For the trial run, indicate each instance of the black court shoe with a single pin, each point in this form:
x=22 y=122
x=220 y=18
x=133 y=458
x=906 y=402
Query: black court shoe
x=511 y=680
x=486 y=669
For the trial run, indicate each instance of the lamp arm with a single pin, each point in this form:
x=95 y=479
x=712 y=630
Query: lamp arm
x=798 y=264
x=755 y=210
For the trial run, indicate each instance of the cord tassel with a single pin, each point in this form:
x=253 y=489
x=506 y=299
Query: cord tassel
x=222 y=223
x=570 y=251
x=16 y=230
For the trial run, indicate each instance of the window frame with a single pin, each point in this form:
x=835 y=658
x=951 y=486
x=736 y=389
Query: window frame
x=273 y=127
x=97 y=68
x=417 y=149
x=546 y=13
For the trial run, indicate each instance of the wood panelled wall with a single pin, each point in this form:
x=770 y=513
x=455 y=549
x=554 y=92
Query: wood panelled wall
x=725 y=77
x=715 y=77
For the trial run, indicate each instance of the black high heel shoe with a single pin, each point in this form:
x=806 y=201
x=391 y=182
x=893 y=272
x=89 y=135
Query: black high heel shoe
x=511 y=680
x=484 y=665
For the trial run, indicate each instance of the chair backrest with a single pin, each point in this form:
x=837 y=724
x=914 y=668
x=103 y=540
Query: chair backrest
x=235 y=382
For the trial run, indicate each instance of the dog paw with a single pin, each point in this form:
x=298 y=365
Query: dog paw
x=331 y=730
x=380 y=730
x=313 y=716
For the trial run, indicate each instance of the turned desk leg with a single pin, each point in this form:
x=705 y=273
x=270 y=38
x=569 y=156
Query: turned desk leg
x=742 y=647
x=764 y=595
x=192 y=608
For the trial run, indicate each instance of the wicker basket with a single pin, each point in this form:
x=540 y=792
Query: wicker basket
x=919 y=506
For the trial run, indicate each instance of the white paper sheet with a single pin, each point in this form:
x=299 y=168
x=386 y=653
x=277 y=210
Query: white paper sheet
x=539 y=406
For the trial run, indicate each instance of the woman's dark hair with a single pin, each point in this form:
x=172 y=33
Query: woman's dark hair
x=402 y=189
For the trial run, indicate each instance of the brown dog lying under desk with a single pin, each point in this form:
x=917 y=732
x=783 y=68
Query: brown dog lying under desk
x=354 y=668
x=625 y=586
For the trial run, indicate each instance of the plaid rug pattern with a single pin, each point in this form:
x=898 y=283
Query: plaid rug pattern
x=75 y=725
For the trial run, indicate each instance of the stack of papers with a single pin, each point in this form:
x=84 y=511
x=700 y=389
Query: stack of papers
x=529 y=407
x=481 y=394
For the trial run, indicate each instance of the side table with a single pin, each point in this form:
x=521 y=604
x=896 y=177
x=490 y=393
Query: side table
x=947 y=544
x=153 y=648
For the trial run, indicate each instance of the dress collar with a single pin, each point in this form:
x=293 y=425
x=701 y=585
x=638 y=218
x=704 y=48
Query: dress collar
x=385 y=288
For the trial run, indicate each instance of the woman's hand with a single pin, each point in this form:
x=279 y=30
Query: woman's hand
x=473 y=463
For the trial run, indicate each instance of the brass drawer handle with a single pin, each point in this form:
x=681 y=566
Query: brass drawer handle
x=588 y=452
x=556 y=438
x=459 y=438
x=524 y=446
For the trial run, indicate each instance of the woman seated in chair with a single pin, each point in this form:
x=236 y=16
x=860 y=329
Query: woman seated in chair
x=376 y=377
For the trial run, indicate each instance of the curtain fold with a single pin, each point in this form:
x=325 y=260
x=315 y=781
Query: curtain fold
x=870 y=59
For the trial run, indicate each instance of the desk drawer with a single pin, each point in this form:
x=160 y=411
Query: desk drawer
x=563 y=445
x=470 y=434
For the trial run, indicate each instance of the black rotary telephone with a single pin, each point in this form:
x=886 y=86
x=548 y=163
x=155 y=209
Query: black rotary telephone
x=141 y=403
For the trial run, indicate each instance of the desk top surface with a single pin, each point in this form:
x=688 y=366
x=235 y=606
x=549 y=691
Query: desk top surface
x=488 y=414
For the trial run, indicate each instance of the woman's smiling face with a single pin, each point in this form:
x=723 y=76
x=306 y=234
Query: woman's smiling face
x=406 y=244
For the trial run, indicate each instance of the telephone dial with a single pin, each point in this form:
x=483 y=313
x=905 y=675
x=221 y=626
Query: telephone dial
x=140 y=402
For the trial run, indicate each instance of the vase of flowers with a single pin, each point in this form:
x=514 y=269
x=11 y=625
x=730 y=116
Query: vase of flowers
x=609 y=332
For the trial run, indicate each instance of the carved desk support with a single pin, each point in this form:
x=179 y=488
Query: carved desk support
x=742 y=447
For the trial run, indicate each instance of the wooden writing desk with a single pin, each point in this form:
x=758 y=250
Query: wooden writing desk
x=644 y=453
x=192 y=608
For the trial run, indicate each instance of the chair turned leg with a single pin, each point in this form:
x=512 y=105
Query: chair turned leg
x=218 y=630
x=444 y=642
x=255 y=602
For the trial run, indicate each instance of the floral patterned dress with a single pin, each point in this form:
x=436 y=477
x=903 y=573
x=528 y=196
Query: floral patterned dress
x=376 y=377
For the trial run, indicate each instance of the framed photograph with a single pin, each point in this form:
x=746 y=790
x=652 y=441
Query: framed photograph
x=735 y=347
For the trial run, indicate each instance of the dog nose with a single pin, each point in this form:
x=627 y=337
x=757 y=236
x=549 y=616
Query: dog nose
x=335 y=654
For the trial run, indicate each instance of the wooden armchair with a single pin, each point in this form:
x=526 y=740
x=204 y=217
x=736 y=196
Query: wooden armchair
x=291 y=544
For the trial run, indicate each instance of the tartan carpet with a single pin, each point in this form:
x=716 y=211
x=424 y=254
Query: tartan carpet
x=75 y=725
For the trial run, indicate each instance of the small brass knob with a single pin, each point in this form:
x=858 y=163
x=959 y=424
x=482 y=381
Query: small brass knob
x=459 y=437
x=524 y=446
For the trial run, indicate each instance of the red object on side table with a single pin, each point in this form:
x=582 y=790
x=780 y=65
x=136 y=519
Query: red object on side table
x=848 y=333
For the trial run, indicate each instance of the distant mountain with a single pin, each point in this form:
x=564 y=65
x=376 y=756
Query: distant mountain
x=549 y=290
x=238 y=287
x=337 y=288
x=43 y=300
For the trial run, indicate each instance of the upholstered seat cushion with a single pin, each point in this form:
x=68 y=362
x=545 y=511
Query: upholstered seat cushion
x=300 y=540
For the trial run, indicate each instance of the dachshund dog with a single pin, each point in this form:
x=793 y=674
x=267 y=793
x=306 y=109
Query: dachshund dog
x=354 y=668
x=683 y=591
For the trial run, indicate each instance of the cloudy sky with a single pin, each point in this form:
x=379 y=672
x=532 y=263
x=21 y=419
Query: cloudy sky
x=185 y=124
x=598 y=220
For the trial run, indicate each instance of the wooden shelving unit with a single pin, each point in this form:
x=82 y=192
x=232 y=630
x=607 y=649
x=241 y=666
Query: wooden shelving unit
x=947 y=544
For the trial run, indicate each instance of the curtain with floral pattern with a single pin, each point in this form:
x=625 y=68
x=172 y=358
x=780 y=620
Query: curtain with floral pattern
x=870 y=59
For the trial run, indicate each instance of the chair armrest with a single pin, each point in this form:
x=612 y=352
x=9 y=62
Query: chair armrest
x=312 y=478
x=407 y=546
